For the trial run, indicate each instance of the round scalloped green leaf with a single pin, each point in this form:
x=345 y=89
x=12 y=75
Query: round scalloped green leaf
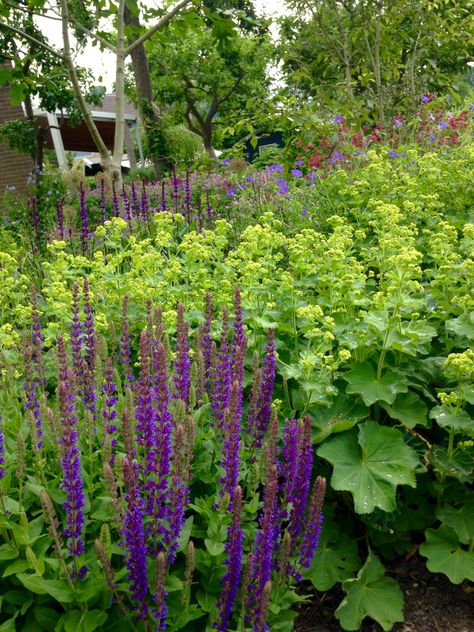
x=336 y=558
x=445 y=555
x=445 y=418
x=408 y=408
x=363 y=381
x=460 y=519
x=370 y=461
x=370 y=594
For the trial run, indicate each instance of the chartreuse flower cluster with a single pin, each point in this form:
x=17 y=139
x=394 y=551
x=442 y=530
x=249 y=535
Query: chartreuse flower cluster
x=167 y=494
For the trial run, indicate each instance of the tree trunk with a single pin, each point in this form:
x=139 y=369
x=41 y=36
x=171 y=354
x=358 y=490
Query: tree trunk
x=207 y=141
x=149 y=110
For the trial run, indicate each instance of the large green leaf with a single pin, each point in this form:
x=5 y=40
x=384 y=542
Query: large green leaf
x=447 y=418
x=370 y=594
x=57 y=588
x=363 y=381
x=336 y=558
x=445 y=555
x=370 y=461
x=342 y=415
x=459 y=465
x=460 y=519
x=408 y=408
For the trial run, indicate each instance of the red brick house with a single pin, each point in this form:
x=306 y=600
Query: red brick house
x=15 y=168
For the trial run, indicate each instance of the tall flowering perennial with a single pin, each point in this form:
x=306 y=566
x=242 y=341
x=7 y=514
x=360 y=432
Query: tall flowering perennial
x=182 y=364
x=135 y=202
x=300 y=479
x=127 y=208
x=262 y=560
x=233 y=563
x=313 y=523
x=84 y=218
x=231 y=444
x=221 y=379
x=115 y=201
x=2 y=450
x=205 y=341
x=89 y=395
x=102 y=203
x=160 y=609
x=76 y=336
x=144 y=206
x=31 y=388
x=60 y=217
x=163 y=205
x=259 y=411
x=109 y=412
x=71 y=465
x=125 y=352
x=133 y=534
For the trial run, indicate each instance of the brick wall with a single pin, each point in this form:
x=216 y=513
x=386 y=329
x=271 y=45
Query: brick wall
x=14 y=167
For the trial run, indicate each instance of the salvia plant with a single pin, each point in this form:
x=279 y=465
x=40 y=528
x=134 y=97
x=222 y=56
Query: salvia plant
x=161 y=496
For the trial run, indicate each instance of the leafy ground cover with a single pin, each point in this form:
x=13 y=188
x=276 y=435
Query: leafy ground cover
x=166 y=437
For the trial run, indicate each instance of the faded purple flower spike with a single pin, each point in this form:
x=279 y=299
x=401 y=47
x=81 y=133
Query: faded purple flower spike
x=205 y=341
x=160 y=611
x=102 y=204
x=71 y=465
x=2 y=450
x=179 y=493
x=37 y=340
x=125 y=353
x=313 y=523
x=84 y=219
x=289 y=465
x=60 y=217
x=109 y=413
x=230 y=448
x=187 y=198
x=182 y=364
x=127 y=208
x=134 y=538
x=35 y=220
x=32 y=403
x=233 y=563
x=144 y=205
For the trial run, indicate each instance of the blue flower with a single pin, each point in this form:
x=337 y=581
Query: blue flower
x=304 y=212
x=226 y=161
x=275 y=167
x=297 y=173
x=398 y=122
x=425 y=98
x=338 y=156
x=442 y=125
x=432 y=138
x=311 y=176
x=248 y=179
x=283 y=186
x=299 y=163
x=230 y=193
x=359 y=153
x=339 y=118
x=472 y=107
x=393 y=154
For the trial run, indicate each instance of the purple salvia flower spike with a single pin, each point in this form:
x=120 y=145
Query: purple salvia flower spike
x=133 y=534
x=313 y=523
x=259 y=412
x=135 y=202
x=84 y=218
x=182 y=364
x=179 y=493
x=2 y=450
x=233 y=563
x=262 y=559
x=144 y=203
x=231 y=444
x=60 y=217
x=221 y=382
x=302 y=480
x=187 y=198
x=289 y=465
x=163 y=206
x=115 y=200
x=71 y=466
x=76 y=337
x=89 y=394
x=35 y=220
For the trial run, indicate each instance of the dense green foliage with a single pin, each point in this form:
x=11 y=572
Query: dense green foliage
x=366 y=275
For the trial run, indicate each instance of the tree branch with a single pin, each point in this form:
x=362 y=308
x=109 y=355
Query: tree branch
x=95 y=36
x=33 y=40
x=160 y=24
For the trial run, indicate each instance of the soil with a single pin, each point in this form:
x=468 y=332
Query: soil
x=432 y=604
